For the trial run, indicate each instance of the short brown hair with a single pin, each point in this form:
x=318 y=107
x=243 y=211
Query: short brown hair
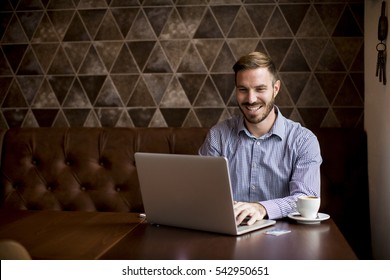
x=255 y=60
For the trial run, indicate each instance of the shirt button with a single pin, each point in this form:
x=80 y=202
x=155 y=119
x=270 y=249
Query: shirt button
x=257 y=143
x=253 y=187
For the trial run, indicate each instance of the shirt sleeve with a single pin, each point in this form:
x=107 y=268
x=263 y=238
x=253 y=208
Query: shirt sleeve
x=211 y=146
x=305 y=179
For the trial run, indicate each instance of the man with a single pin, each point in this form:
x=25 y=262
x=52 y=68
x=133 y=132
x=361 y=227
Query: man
x=272 y=160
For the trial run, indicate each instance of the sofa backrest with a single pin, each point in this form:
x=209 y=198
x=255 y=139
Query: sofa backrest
x=87 y=169
x=344 y=184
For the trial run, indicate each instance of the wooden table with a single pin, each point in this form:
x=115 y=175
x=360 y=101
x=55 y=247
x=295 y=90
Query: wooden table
x=66 y=235
x=102 y=235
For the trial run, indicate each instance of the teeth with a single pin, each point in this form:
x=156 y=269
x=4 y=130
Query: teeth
x=253 y=108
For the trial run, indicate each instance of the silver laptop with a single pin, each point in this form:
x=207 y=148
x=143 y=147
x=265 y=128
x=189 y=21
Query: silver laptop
x=189 y=191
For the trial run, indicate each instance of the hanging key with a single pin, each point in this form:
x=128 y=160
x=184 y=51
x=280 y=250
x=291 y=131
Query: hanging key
x=381 y=62
x=381 y=47
x=379 y=65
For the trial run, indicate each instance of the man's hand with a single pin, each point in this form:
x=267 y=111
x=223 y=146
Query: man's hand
x=253 y=211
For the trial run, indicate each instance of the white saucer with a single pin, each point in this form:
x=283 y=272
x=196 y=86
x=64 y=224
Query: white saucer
x=297 y=217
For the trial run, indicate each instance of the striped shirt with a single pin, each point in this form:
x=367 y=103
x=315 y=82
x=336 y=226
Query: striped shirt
x=273 y=169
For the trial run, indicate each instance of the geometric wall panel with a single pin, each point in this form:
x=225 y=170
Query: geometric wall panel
x=147 y=63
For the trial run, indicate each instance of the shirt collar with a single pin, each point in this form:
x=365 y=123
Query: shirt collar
x=277 y=129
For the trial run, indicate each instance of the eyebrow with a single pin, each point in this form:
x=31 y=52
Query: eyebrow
x=262 y=86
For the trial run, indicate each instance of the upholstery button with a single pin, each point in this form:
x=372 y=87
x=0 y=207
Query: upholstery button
x=118 y=189
x=67 y=162
x=50 y=186
x=83 y=188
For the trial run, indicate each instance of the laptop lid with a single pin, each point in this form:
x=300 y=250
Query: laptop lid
x=189 y=191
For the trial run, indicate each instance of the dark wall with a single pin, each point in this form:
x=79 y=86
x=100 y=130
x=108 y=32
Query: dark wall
x=168 y=62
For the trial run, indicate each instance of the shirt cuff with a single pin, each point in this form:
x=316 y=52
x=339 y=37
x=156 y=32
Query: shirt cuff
x=273 y=210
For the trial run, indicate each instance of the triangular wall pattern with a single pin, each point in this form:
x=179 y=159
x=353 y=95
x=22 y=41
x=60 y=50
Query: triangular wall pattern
x=169 y=63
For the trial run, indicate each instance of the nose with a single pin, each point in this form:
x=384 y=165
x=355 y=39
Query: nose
x=252 y=97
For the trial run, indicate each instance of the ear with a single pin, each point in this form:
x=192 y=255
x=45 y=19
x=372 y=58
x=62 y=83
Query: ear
x=276 y=88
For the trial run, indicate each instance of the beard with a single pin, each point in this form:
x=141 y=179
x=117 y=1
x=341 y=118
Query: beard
x=256 y=119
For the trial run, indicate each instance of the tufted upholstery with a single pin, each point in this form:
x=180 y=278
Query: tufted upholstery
x=88 y=169
x=93 y=169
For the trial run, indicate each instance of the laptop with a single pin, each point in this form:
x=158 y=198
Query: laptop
x=189 y=191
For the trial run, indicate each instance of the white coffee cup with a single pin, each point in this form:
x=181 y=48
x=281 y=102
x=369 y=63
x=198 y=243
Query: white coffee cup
x=308 y=206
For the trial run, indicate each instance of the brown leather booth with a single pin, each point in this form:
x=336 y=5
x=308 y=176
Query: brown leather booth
x=93 y=169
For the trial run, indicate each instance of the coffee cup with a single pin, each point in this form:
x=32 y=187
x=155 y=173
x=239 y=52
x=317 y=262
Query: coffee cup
x=308 y=206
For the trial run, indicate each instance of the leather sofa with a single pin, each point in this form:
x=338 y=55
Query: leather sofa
x=93 y=169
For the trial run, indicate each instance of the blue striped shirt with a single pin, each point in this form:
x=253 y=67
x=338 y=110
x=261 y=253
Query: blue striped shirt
x=273 y=169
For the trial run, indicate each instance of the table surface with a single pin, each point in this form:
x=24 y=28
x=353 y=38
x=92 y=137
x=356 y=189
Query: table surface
x=106 y=235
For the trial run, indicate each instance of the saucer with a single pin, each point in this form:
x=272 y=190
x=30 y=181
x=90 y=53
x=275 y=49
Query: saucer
x=297 y=217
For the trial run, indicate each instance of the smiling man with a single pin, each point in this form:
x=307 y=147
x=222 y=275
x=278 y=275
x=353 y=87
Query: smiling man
x=272 y=160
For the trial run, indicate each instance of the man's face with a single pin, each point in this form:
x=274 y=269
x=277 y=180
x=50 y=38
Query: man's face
x=255 y=93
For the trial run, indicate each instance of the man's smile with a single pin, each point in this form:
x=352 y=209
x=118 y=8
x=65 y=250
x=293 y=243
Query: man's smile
x=253 y=107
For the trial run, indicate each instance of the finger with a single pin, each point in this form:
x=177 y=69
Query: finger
x=240 y=219
x=253 y=219
x=242 y=215
x=237 y=204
